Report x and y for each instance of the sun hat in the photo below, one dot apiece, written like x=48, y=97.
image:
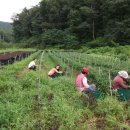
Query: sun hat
x=85, y=70
x=123, y=74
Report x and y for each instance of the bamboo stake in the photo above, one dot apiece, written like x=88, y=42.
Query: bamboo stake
x=110, y=85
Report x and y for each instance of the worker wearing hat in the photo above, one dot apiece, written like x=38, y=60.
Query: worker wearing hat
x=82, y=82
x=119, y=80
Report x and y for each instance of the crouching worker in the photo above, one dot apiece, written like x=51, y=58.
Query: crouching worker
x=120, y=80
x=32, y=65
x=120, y=85
x=82, y=82
x=55, y=72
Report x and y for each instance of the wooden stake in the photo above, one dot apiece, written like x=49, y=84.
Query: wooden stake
x=110, y=85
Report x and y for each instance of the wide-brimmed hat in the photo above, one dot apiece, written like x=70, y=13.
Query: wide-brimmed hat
x=123, y=74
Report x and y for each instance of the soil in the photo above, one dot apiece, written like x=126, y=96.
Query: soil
x=100, y=124
x=21, y=73
x=50, y=96
x=56, y=124
x=97, y=123
x=128, y=121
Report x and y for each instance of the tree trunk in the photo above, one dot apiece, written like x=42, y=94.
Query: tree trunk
x=93, y=30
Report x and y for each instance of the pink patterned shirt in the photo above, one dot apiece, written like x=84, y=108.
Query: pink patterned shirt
x=118, y=82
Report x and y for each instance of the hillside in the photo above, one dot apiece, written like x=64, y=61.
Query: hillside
x=5, y=26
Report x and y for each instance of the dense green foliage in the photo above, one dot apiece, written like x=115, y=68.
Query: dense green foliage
x=14, y=103
x=5, y=32
x=5, y=45
x=100, y=66
x=119, y=51
x=59, y=37
x=59, y=106
x=86, y=20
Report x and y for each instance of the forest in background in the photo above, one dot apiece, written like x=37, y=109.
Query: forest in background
x=5, y=32
x=70, y=23
x=6, y=26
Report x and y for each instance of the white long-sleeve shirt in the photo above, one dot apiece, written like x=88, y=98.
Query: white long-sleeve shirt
x=31, y=64
x=85, y=83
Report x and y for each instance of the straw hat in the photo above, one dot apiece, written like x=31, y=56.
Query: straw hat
x=123, y=74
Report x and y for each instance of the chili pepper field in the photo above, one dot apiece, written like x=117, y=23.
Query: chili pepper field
x=29, y=100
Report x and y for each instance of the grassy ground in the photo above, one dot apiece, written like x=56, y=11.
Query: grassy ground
x=15, y=49
x=65, y=108
x=34, y=102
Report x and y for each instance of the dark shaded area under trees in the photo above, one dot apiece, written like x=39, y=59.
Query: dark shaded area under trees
x=69, y=23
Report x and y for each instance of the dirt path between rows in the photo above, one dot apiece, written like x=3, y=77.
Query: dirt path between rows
x=21, y=73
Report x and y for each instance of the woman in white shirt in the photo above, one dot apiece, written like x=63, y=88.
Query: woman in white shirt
x=32, y=65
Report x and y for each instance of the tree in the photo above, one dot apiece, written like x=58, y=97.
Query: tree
x=87, y=20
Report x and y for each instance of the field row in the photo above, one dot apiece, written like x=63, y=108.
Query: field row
x=33, y=102
x=100, y=72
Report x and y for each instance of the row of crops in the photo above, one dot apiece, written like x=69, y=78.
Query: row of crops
x=30, y=101
x=84, y=113
x=102, y=68
x=17, y=94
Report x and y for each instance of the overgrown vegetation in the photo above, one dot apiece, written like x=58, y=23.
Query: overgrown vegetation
x=122, y=52
x=14, y=103
x=35, y=102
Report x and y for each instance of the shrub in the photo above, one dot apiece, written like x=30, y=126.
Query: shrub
x=110, y=106
x=29, y=80
x=59, y=37
x=70, y=41
x=4, y=45
x=101, y=42
x=33, y=41
x=52, y=37
x=123, y=57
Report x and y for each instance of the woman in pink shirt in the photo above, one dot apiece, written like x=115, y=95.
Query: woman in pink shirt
x=82, y=82
x=120, y=80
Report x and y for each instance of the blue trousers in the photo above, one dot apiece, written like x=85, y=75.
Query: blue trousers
x=55, y=75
